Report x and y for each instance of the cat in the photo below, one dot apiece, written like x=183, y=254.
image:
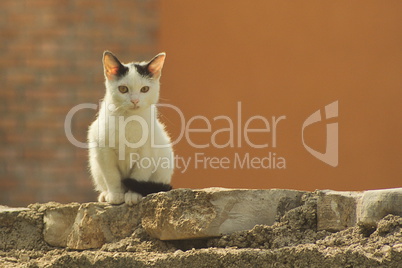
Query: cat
x=127, y=124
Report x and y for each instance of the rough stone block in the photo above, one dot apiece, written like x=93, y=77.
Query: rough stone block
x=59, y=221
x=376, y=204
x=89, y=225
x=189, y=214
x=20, y=228
x=336, y=210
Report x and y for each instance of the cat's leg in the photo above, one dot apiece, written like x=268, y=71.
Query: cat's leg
x=163, y=156
x=132, y=198
x=107, y=162
x=140, y=171
x=142, y=165
x=102, y=196
x=99, y=182
x=97, y=175
x=163, y=171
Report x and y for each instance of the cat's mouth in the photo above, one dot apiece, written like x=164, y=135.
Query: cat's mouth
x=136, y=107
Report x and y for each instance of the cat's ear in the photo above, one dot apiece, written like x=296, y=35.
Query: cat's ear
x=112, y=66
x=156, y=64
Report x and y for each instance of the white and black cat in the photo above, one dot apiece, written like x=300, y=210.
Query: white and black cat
x=127, y=132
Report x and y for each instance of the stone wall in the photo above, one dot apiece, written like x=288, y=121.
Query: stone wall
x=51, y=60
x=214, y=226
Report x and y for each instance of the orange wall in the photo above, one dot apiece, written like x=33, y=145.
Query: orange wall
x=287, y=58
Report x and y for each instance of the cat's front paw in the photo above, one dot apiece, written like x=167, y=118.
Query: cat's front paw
x=132, y=198
x=114, y=198
x=102, y=197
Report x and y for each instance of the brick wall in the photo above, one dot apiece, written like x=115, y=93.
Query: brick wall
x=50, y=59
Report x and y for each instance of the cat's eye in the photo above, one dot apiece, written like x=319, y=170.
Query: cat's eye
x=144, y=89
x=123, y=89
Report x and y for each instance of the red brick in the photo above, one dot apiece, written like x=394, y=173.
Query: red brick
x=8, y=94
x=8, y=123
x=39, y=154
x=84, y=182
x=50, y=5
x=71, y=79
x=25, y=18
x=88, y=4
x=16, y=138
x=9, y=154
x=20, y=78
x=43, y=63
x=54, y=109
x=44, y=124
x=23, y=199
x=52, y=61
x=11, y=6
x=9, y=184
x=18, y=107
x=47, y=93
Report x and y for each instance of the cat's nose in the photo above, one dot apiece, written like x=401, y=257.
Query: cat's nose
x=135, y=101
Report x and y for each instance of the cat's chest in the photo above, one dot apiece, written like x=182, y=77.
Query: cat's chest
x=133, y=132
x=120, y=131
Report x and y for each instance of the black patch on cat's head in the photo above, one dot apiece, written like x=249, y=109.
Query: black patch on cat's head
x=123, y=70
x=142, y=69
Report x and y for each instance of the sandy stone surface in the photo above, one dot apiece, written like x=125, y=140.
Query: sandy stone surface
x=291, y=241
x=191, y=214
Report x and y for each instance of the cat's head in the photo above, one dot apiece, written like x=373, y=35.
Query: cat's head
x=134, y=86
